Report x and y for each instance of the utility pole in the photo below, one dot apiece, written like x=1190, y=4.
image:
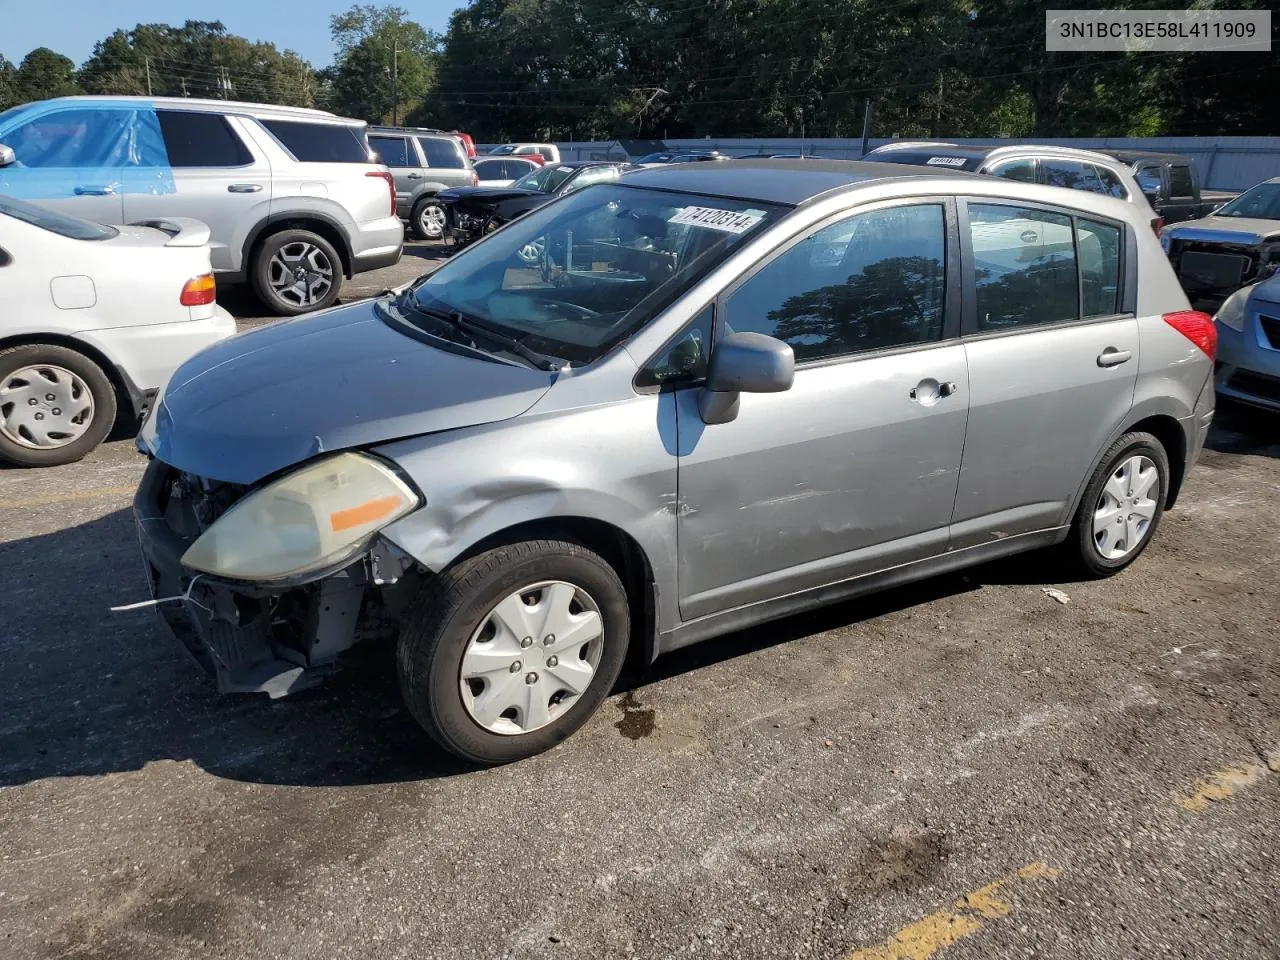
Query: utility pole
x=395, y=70
x=147, y=61
x=866, y=127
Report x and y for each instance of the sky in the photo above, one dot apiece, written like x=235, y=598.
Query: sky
x=72, y=27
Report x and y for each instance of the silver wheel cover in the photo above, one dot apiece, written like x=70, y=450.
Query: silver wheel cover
x=431, y=221
x=1125, y=508
x=533, y=655
x=43, y=407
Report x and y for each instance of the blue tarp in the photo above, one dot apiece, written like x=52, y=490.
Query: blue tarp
x=64, y=147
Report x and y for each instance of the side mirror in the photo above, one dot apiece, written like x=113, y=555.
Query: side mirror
x=7, y=155
x=744, y=363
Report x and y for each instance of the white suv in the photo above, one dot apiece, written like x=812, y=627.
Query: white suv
x=294, y=198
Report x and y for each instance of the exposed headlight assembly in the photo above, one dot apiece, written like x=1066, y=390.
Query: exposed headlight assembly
x=308, y=520
x=1232, y=313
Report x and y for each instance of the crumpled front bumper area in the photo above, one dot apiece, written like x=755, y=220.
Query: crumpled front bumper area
x=272, y=639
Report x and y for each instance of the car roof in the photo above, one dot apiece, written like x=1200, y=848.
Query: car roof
x=217, y=106
x=588, y=163
x=752, y=179
x=937, y=148
x=1132, y=156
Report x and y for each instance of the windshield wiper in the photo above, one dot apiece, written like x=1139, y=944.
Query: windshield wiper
x=464, y=324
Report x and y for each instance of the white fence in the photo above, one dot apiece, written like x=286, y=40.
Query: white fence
x=1225, y=163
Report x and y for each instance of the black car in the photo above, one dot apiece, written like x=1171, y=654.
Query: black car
x=475, y=211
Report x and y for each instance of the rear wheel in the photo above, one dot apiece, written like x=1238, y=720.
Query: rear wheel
x=297, y=271
x=511, y=651
x=56, y=405
x=428, y=219
x=1121, y=507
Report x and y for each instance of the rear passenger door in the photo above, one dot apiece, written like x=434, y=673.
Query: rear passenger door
x=1052, y=349
x=217, y=177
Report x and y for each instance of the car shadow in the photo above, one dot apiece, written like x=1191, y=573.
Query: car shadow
x=1242, y=429
x=90, y=692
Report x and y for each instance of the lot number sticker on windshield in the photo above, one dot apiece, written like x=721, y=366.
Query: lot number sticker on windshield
x=730, y=221
x=944, y=162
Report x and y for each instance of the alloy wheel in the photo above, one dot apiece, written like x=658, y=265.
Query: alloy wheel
x=300, y=274
x=431, y=221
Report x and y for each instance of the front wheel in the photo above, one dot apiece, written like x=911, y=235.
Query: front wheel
x=428, y=219
x=56, y=405
x=1122, y=506
x=513, y=650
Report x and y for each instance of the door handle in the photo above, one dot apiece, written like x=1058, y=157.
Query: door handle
x=413, y=176
x=95, y=190
x=1111, y=357
x=244, y=187
x=929, y=391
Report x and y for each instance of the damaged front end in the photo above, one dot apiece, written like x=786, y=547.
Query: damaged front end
x=274, y=637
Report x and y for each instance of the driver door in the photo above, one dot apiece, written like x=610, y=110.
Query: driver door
x=855, y=468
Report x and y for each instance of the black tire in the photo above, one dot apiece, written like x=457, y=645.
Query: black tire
x=1081, y=547
x=101, y=419
x=291, y=304
x=417, y=225
x=437, y=630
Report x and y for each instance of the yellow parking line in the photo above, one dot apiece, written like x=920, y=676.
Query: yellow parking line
x=922, y=939
x=1225, y=782
x=55, y=498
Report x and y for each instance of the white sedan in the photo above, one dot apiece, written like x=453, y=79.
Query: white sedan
x=501, y=171
x=93, y=320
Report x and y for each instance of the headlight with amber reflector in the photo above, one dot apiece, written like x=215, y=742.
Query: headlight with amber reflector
x=1232, y=313
x=308, y=520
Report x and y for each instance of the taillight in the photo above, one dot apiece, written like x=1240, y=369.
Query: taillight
x=1197, y=327
x=198, y=291
x=391, y=185
x=1157, y=225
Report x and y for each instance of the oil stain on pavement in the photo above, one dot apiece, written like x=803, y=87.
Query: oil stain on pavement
x=637, y=720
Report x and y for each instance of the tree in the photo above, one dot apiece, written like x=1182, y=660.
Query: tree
x=8, y=79
x=44, y=74
x=378, y=48
x=198, y=59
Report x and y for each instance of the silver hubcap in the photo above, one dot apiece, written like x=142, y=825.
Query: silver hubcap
x=300, y=273
x=44, y=407
x=1122, y=518
x=532, y=251
x=432, y=221
x=531, y=657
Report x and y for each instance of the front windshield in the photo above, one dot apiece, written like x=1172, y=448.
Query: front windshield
x=576, y=277
x=71, y=227
x=1261, y=203
x=544, y=179
x=654, y=158
x=505, y=148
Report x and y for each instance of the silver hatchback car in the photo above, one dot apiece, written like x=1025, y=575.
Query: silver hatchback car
x=723, y=394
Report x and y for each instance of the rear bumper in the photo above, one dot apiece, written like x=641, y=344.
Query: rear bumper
x=378, y=244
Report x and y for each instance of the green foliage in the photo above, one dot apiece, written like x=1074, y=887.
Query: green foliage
x=43, y=74
x=375, y=43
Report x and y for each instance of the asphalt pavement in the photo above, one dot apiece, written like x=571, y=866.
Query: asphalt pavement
x=965, y=768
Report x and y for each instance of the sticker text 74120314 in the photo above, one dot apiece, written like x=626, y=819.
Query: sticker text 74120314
x=713, y=218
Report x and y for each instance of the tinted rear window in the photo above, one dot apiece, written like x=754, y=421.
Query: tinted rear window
x=442, y=153
x=1180, y=184
x=393, y=151
x=201, y=140
x=71, y=227
x=320, y=142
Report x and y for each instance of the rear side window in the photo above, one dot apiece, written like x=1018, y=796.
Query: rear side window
x=201, y=140
x=1180, y=184
x=1063, y=173
x=442, y=153
x=1024, y=266
x=1033, y=267
x=1021, y=170
x=319, y=142
x=71, y=227
x=869, y=282
x=1112, y=185
x=491, y=170
x=393, y=151
x=546, y=153
x=1149, y=180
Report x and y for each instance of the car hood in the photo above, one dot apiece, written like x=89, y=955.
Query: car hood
x=1267, y=291
x=265, y=400
x=484, y=194
x=1225, y=230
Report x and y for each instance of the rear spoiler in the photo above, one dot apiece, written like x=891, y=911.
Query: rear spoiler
x=182, y=231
